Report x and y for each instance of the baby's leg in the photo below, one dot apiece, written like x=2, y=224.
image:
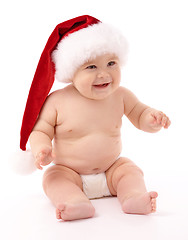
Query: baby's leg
x=126, y=181
x=63, y=186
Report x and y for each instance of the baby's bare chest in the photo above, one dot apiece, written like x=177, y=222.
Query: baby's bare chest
x=80, y=118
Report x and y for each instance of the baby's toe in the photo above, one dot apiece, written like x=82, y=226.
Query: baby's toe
x=153, y=195
x=58, y=214
x=153, y=205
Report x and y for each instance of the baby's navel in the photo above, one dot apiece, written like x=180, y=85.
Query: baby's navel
x=96, y=169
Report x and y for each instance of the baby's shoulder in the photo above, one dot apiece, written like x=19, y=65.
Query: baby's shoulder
x=59, y=97
x=123, y=92
x=127, y=96
x=60, y=93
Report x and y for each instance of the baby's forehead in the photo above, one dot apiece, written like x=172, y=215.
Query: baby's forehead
x=103, y=57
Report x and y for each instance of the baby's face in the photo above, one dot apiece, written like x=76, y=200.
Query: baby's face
x=98, y=78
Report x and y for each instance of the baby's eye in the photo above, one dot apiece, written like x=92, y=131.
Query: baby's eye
x=91, y=67
x=111, y=63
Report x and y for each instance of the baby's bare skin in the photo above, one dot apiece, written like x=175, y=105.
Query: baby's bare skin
x=85, y=127
x=84, y=119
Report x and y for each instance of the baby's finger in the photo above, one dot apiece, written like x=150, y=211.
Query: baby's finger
x=167, y=123
x=37, y=164
x=160, y=118
x=164, y=121
x=39, y=160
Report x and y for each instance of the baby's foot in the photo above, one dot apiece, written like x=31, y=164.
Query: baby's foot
x=141, y=203
x=75, y=211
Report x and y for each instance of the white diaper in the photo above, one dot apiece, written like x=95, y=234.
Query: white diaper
x=95, y=185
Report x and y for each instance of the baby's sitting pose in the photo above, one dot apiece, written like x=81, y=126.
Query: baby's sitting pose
x=84, y=121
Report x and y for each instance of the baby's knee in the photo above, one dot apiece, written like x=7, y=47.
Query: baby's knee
x=49, y=176
x=51, y=173
x=123, y=167
x=129, y=167
x=126, y=166
x=57, y=173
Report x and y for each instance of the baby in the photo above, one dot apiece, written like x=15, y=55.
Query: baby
x=84, y=121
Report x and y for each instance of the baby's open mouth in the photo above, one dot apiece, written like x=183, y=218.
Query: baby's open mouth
x=101, y=85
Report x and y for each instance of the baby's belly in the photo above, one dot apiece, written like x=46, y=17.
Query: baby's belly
x=90, y=154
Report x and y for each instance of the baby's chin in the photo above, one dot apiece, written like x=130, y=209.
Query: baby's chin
x=96, y=96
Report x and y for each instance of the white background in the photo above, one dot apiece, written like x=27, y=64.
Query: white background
x=157, y=72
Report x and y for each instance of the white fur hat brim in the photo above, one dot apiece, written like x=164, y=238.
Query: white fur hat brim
x=86, y=44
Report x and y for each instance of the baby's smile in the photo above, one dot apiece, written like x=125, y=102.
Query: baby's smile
x=102, y=85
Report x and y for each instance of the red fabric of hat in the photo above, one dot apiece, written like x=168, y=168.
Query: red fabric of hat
x=44, y=75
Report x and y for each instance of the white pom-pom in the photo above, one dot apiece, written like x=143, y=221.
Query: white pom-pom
x=23, y=162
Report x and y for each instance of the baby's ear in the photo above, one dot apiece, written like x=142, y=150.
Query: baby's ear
x=22, y=162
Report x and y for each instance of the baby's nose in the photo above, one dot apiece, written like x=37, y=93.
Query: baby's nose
x=103, y=74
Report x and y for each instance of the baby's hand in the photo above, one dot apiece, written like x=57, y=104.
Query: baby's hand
x=44, y=157
x=158, y=120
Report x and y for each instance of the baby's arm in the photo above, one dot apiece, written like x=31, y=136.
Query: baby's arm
x=43, y=133
x=142, y=116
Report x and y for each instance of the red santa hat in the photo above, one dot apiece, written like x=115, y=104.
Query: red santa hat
x=70, y=45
